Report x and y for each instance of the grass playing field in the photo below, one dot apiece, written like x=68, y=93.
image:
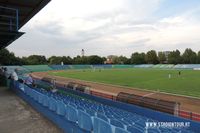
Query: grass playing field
x=188, y=83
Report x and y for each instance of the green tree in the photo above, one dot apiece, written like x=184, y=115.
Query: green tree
x=5, y=57
x=120, y=60
x=161, y=57
x=174, y=57
x=94, y=59
x=8, y=58
x=189, y=56
x=80, y=60
x=123, y=59
x=104, y=59
x=67, y=60
x=36, y=60
x=24, y=60
x=56, y=60
x=138, y=58
x=198, y=57
x=151, y=57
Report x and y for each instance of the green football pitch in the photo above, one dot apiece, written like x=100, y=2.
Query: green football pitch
x=188, y=83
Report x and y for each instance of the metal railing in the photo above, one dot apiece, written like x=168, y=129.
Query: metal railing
x=9, y=17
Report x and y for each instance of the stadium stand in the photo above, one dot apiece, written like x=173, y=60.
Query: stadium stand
x=187, y=66
x=21, y=70
x=164, y=66
x=144, y=66
x=122, y=66
x=59, y=67
x=105, y=118
x=157, y=66
x=37, y=68
x=116, y=120
x=170, y=66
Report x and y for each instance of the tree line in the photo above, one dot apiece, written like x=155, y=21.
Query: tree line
x=150, y=57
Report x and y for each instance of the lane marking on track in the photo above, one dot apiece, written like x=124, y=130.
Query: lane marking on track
x=149, y=94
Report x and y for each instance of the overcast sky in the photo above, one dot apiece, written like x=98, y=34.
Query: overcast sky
x=105, y=27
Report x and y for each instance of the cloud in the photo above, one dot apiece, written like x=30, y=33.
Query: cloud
x=106, y=27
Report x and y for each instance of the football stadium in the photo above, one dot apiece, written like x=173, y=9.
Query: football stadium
x=96, y=98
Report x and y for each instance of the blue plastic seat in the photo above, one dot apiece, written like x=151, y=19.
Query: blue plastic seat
x=28, y=90
x=35, y=95
x=133, y=129
x=45, y=101
x=85, y=121
x=52, y=104
x=116, y=123
x=91, y=112
x=80, y=108
x=120, y=130
x=101, y=126
x=72, y=104
x=72, y=114
x=153, y=131
x=60, y=108
x=110, y=116
x=40, y=99
x=21, y=87
x=31, y=93
x=103, y=117
x=141, y=123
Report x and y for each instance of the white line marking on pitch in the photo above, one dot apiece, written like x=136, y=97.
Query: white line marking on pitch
x=149, y=94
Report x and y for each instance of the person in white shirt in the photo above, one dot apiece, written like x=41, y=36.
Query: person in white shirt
x=14, y=75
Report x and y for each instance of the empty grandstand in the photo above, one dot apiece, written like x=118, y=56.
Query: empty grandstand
x=100, y=116
x=37, y=68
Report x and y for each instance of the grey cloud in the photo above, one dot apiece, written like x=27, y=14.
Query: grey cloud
x=51, y=29
x=139, y=43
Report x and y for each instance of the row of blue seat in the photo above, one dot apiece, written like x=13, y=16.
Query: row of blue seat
x=80, y=110
x=72, y=114
x=187, y=66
